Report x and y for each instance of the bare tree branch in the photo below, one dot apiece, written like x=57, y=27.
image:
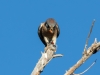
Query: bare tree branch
x=86, y=54
x=86, y=69
x=90, y=50
x=57, y=55
x=48, y=54
x=86, y=44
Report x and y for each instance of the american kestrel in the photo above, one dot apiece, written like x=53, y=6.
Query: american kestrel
x=48, y=32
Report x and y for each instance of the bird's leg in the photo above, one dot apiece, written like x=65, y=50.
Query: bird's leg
x=54, y=41
x=46, y=40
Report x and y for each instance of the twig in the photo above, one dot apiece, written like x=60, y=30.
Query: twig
x=88, y=37
x=57, y=55
x=86, y=69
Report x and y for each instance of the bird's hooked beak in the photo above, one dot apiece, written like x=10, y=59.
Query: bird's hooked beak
x=51, y=30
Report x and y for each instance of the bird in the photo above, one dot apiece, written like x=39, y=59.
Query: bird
x=48, y=32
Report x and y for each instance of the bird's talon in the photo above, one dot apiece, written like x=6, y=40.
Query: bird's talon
x=54, y=45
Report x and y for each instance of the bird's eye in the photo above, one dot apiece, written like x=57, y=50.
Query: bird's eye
x=54, y=26
x=47, y=26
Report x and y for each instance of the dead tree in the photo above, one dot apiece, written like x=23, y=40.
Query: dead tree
x=49, y=53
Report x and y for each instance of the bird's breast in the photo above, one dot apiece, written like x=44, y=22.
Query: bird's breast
x=47, y=33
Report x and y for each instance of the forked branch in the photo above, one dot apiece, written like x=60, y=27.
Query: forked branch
x=90, y=50
x=95, y=47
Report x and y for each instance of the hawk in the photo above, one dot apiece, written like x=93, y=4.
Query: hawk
x=48, y=32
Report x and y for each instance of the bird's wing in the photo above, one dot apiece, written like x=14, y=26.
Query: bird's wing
x=58, y=30
x=40, y=34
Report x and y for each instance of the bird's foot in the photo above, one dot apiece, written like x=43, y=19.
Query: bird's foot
x=48, y=44
x=52, y=42
x=54, y=46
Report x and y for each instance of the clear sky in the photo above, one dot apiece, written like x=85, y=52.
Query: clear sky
x=20, y=46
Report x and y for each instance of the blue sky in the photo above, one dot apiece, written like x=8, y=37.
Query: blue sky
x=20, y=46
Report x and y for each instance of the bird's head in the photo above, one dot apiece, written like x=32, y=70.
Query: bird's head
x=50, y=25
